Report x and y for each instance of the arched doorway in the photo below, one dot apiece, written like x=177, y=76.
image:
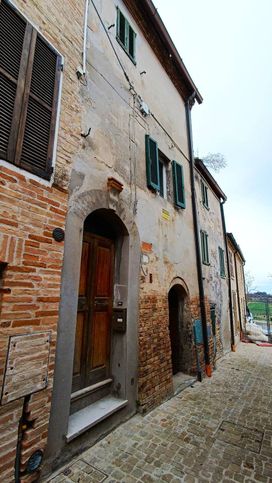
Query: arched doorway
x=180, y=331
x=104, y=263
x=176, y=300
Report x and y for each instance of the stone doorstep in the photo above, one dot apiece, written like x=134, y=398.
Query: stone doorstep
x=88, y=417
x=181, y=381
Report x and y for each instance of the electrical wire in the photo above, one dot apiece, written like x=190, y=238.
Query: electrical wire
x=131, y=87
x=113, y=48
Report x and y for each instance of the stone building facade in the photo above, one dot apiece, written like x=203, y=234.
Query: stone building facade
x=40, y=50
x=237, y=279
x=210, y=200
x=124, y=335
x=97, y=144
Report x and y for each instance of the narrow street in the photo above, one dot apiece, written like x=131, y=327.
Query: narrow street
x=219, y=430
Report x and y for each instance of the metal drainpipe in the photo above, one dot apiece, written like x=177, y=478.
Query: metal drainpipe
x=208, y=366
x=238, y=292
x=229, y=279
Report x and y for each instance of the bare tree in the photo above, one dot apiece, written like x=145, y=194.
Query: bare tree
x=249, y=282
x=215, y=161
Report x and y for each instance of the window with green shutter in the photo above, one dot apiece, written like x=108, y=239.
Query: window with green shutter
x=178, y=185
x=204, y=193
x=29, y=87
x=204, y=247
x=152, y=163
x=222, y=262
x=126, y=35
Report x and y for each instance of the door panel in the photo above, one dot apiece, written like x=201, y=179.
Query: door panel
x=84, y=269
x=78, y=344
x=103, y=274
x=101, y=336
x=93, y=331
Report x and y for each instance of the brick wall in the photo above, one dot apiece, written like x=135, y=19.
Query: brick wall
x=28, y=214
x=155, y=381
x=29, y=211
x=155, y=367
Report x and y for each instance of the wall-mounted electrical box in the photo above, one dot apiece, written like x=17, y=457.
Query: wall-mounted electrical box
x=119, y=320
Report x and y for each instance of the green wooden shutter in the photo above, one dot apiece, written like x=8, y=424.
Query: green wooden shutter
x=152, y=163
x=178, y=181
x=222, y=262
x=205, y=247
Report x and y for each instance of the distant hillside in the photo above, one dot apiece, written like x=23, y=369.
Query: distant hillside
x=259, y=297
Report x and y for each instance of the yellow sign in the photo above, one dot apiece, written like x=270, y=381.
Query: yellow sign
x=165, y=214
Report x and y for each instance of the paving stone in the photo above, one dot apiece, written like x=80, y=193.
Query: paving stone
x=218, y=431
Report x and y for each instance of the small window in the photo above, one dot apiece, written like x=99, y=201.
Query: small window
x=204, y=247
x=29, y=86
x=222, y=262
x=126, y=35
x=204, y=193
x=178, y=181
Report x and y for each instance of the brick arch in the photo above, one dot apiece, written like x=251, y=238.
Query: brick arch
x=181, y=329
x=179, y=281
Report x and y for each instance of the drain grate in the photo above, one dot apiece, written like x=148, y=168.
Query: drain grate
x=241, y=436
x=80, y=472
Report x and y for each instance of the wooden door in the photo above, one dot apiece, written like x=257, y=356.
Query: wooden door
x=174, y=323
x=93, y=331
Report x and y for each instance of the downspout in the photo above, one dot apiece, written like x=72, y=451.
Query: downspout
x=238, y=292
x=208, y=366
x=229, y=279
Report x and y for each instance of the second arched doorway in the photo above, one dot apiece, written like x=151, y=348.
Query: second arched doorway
x=180, y=332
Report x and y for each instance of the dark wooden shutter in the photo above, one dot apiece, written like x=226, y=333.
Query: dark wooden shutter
x=29, y=85
x=13, y=57
x=36, y=142
x=178, y=181
x=152, y=163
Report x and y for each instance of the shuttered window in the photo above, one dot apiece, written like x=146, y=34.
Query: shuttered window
x=152, y=163
x=126, y=35
x=178, y=182
x=29, y=87
x=204, y=193
x=204, y=247
x=222, y=262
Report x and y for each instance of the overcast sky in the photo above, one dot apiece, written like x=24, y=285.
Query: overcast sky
x=226, y=46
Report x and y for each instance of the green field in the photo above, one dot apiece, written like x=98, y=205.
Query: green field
x=258, y=310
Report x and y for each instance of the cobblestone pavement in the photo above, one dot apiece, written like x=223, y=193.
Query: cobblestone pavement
x=219, y=430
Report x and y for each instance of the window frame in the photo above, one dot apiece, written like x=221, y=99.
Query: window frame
x=204, y=193
x=222, y=266
x=22, y=100
x=163, y=169
x=126, y=45
x=204, y=237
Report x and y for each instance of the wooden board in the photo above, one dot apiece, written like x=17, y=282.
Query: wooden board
x=27, y=365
